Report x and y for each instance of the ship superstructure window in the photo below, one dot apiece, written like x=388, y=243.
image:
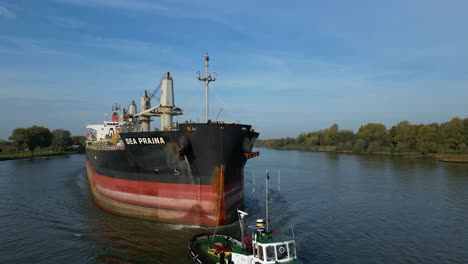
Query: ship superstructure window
x=281, y=251
x=270, y=253
x=292, y=250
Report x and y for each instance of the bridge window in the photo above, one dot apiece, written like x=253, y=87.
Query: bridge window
x=260, y=252
x=270, y=253
x=281, y=251
x=292, y=250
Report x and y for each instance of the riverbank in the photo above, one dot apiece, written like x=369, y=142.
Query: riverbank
x=27, y=155
x=460, y=158
x=463, y=158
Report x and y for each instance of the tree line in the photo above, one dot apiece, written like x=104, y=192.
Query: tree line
x=450, y=137
x=38, y=137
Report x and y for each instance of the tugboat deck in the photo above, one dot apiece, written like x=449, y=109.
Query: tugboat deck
x=263, y=247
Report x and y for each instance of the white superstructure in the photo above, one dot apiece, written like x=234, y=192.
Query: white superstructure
x=132, y=121
x=105, y=131
x=165, y=109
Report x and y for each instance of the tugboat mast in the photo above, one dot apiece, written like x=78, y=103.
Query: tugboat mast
x=267, y=198
x=207, y=79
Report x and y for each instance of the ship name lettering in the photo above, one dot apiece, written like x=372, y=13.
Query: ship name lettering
x=131, y=141
x=145, y=141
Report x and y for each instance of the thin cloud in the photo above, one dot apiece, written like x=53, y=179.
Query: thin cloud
x=19, y=41
x=124, y=45
x=23, y=46
x=120, y=4
x=273, y=61
x=7, y=13
x=68, y=22
x=220, y=13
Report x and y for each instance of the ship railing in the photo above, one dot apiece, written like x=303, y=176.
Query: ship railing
x=255, y=130
x=175, y=126
x=98, y=146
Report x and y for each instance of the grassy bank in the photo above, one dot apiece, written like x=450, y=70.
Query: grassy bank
x=463, y=158
x=451, y=157
x=27, y=155
x=383, y=151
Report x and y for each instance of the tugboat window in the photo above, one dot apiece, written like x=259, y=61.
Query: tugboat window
x=292, y=250
x=281, y=251
x=270, y=252
x=260, y=253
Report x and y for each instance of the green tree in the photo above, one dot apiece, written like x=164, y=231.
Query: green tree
x=79, y=140
x=346, y=136
x=4, y=143
x=427, y=147
x=301, y=138
x=60, y=139
x=38, y=137
x=463, y=148
x=19, y=136
x=465, y=130
x=374, y=146
x=289, y=141
x=373, y=133
x=451, y=135
x=313, y=139
x=427, y=133
x=427, y=139
x=401, y=147
x=360, y=145
x=404, y=132
x=330, y=136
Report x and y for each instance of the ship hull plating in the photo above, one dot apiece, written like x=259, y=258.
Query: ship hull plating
x=194, y=175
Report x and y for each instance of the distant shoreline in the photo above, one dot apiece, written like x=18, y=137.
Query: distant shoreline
x=27, y=155
x=455, y=158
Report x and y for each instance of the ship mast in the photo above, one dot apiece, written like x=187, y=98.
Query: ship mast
x=207, y=79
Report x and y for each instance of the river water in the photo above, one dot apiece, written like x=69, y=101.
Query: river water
x=343, y=209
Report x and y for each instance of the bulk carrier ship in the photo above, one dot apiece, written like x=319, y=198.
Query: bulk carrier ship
x=188, y=173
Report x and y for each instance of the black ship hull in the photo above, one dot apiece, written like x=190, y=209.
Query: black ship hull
x=194, y=175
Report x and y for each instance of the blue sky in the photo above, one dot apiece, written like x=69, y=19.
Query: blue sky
x=284, y=66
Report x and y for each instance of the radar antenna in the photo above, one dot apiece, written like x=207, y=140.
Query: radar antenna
x=116, y=107
x=207, y=79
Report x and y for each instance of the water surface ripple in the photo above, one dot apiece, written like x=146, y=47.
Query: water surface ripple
x=343, y=209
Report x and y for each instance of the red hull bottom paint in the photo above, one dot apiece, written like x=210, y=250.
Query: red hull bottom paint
x=167, y=202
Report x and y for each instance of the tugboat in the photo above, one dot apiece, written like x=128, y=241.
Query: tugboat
x=264, y=247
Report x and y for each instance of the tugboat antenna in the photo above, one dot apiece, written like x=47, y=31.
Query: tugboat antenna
x=266, y=199
x=207, y=79
x=279, y=179
x=242, y=214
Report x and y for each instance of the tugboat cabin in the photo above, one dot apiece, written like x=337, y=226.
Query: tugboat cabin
x=266, y=248
x=278, y=252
